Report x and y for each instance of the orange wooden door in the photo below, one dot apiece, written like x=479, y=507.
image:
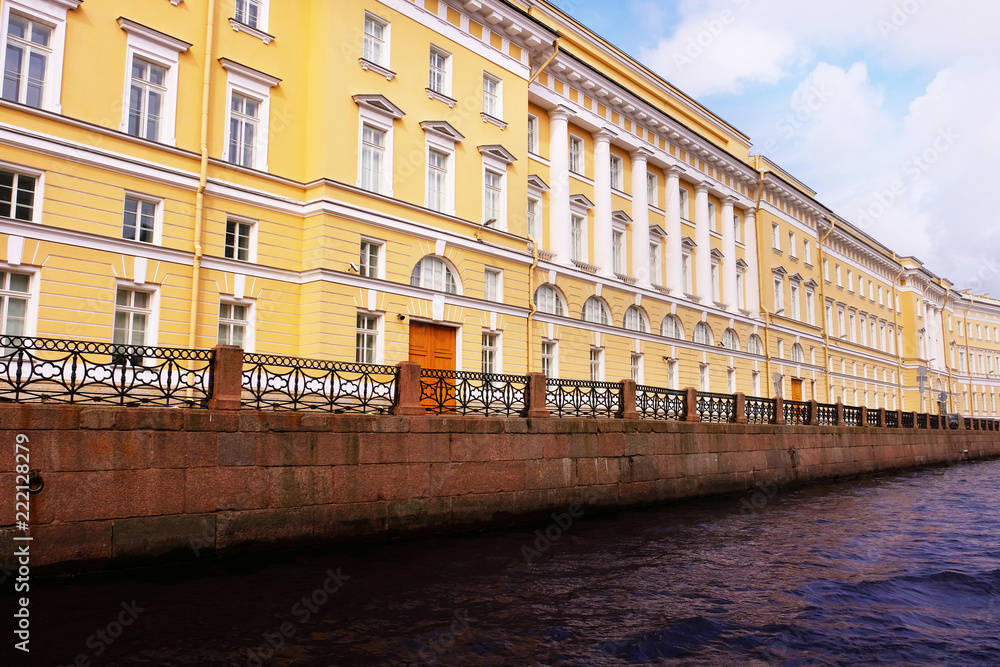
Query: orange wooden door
x=433, y=346
x=796, y=390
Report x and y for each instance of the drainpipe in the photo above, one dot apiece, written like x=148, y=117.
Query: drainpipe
x=531, y=300
x=965, y=317
x=822, y=295
x=199, y=210
x=898, y=341
x=947, y=298
x=923, y=298
x=760, y=283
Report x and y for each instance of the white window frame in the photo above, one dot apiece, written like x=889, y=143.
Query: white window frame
x=704, y=377
x=162, y=50
x=51, y=13
x=619, y=258
x=384, y=123
x=601, y=311
x=445, y=71
x=597, y=364
x=655, y=262
x=741, y=298
x=37, y=200
x=579, y=251
x=731, y=380
x=249, y=334
x=779, y=294
x=383, y=61
x=31, y=296
x=737, y=227
x=810, y=307
x=807, y=251
x=652, y=189
x=775, y=236
x=496, y=348
x=577, y=158
x=252, y=241
x=379, y=333
x=447, y=196
x=684, y=204
x=363, y=269
x=497, y=274
x=157, y=217
x=257, y=86
x=559, y=306
x=840, y=281
x=550, y=354
x=673, y=377
x=534, y=217
x=153, y=322
x=713, y=219
x=497, y=96
x=791, y=244
x=687, y=282
x=262, y=15
x=716, y=277
x=636, y=367
x=533, y=127
x=501, y=215
x=617, y=165
x=850, y=281
x=796, y=309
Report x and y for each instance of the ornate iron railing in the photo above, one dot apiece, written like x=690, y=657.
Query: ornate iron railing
x=934, y=422
x=891, y=419
x=796, y=412
x=761, y=410
x=975, y=424
x=852, y=415
x=465, y=393
x=826, y=414
x=906, y=420
x=923, y=421
x=657, y=403
x=716, y=407
x=290, y=383
x=583, y=398
x=51, y=370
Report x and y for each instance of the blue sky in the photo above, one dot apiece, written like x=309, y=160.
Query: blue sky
x=887, y=108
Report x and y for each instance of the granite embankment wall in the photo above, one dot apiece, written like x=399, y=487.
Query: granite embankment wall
x=124, y=485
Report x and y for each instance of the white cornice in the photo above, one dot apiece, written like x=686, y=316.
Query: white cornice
x=155, y=36
x=254, y=75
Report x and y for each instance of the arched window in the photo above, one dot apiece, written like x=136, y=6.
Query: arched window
x=595, y=311
x=635, y=320
x=798, y=356
x=432, y=273
x=703, y=334
x=548, y=300
x=731, y=340
x=672, y=327
x=754, y=346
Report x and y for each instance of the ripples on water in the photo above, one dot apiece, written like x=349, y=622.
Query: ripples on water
x=901, y=570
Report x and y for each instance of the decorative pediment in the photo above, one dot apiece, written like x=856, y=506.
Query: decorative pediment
x=740, y=264
x=621, y=217
x=442, y=128
x=795, y=278
x=380, y=104
x=535, y=181
x=154, y=36
x=655, y=231
x=779, y=271
x=688, y=242
x=498, y=152
x=812, y=284
x=581, y=201
x=254, y=75
x=717, y=254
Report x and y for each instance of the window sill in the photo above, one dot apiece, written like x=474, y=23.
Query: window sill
x=378, y=69
x=440, y=97
x=496, y=121
x=776, y=251
x=628, y=280
x=239, y=26
x=583, y=266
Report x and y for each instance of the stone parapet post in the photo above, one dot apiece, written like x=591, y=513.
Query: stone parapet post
x=227, y=378
x=839, y=419
x=879, y=417
x=691, y=405
x=864, y=416
x=741, y=407
x=813, y=413
x=408, y=388
x=627, y=410
x=534, y=402
x=779, y=411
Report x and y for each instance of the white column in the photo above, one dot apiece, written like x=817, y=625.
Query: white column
x=729, y=259
x=751, y=280
x=640, y=218
x=603, y=242
x=559, y=227
x=703, y=238
x=672, y=205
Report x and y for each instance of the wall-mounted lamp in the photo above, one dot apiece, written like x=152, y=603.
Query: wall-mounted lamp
x=479, y=232
x=401, y=317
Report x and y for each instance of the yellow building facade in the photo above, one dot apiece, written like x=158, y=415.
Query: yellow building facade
x=478, y=185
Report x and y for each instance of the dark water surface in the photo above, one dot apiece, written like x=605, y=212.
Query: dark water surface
x=898, y=570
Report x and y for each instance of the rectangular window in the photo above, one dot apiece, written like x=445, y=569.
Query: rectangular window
x=840, y=282
x=636, y=368
x=437, y=180
x=652, y=189
x=14, y=296
x=850, y=280
x=17, y=196
x=616, y=172
x=492, y=100
x=372, y=158
x=549, y=359
x=655, y=271
x=791, y=244
x=796, y=312
x=532, y=134
x=133, y=312
x=686, y=272
x=147, y=94
x=371, y=259
x=741, y=299
x=854, y=327
x=248, y=12
x=755, y=383
x=713, y=223
x=738, y=227
x=238, y=240
x=233, y=324
x=775, y=238
x=376, y=35
x=779, y=295
x=576, y=238
x=139, y=221
x=829, y=318
x=533, y=220
x=871, y=291
x=440, y=81
x=810, y=308
x=683, y=204
x=492, y=190
x=704, y=378
x=596, y=365
x=243, y=126
x=493, y=284
x=366, y=340
x=673, y=379
x=490, y=353
x=617, y=242
x=576, y=155
x=841, y=325
x=26, y=62
x=731, y=380
x=807, y=251
x=826, y=269
x=716, y=283
x=880, y=302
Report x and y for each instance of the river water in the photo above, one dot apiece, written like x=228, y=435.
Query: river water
x=894, y=570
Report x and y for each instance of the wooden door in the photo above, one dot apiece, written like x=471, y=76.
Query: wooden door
x=432, y=346
x=796, y=389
